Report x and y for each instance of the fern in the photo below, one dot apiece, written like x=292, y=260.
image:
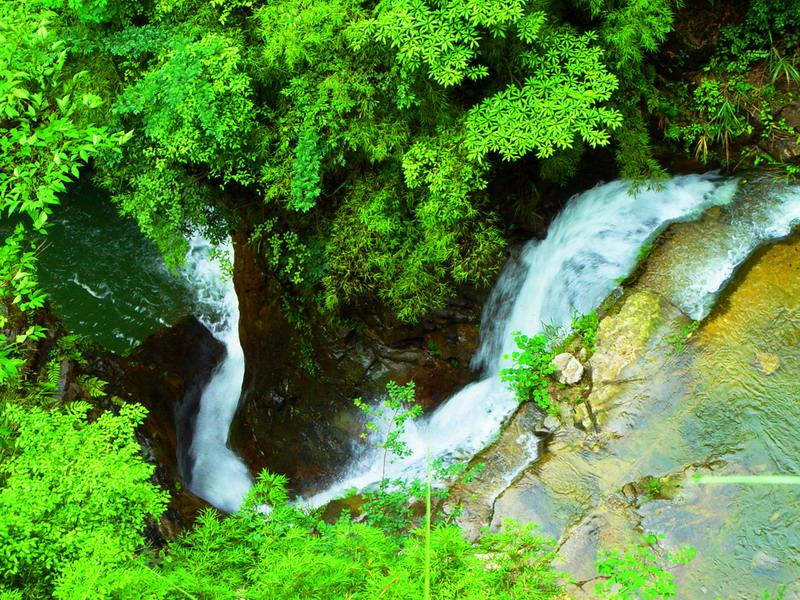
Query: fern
x=92, y=386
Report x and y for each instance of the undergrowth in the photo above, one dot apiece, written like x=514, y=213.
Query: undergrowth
x=530, y=376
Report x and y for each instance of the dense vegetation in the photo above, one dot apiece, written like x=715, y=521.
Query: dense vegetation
x=76, y=497
x=357, y=141
x=364, y=148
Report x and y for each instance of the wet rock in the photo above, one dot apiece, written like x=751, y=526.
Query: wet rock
x=611, y=528
x=515, y=449
x=583, y=590
x=630, y=493
x=297, y=415
x=622, y=337
x=582, y=416
x=667, y=416
x=791, y=114
x=767, y=363
x=551, y=423
x=569, y=369
x=167, y=374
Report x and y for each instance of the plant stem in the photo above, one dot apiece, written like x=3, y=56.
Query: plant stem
x=428, y=525
x=749, y=479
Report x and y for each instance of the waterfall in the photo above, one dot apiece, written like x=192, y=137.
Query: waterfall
x=218, y=474
x=592, y=243
x=760, y=211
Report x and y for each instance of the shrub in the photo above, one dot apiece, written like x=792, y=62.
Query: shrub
x=73, y=489
x=529, y=377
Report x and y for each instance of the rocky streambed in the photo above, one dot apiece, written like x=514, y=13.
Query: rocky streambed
x=660, y=399
x=668, y=398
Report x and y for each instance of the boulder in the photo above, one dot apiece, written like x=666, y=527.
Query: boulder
x=167, y=374
x=765, y=562
x=569, y=369
x=767, y=362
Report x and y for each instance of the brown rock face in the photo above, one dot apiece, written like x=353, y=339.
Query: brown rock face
x=167, y=375
x=296, y=415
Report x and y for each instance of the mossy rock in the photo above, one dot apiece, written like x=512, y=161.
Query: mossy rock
x=622, y=337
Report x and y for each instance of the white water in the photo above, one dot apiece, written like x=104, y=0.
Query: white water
x=593, y=242
x=218, y=474
x=762, y=211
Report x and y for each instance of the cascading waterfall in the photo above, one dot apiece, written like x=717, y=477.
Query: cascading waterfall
x=218, y=474
x=591, y=244
x=761, y=211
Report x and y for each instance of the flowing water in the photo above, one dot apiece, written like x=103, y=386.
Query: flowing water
x=726, y=404
x=218, y=474
x=712, y=402
x=740, y=404
x=691, y=274
x=590, y=245
x=108, y=282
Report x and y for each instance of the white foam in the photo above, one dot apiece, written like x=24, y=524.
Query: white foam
x=218, y=474
x=593, y=242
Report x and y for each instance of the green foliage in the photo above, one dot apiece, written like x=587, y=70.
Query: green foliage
x=637, y=574
x=529, y=378
x=18, y=271
x=653, y=487
x=45, y=137
x=411, y=262
x=563, y=92
x=43, y=143
x=444, y=38
x=679, y=339
x=633, y=28
x=720, y=120
x=782, y=67
x=74, y=491
x=390, y=504
x=194, y=112
x=388, y=419
x=196, y=105
x=93, y=11
x=585, y=327
x=367, y=131
x=530, y=375
x=286, y=255
x=731, y=112
x=287, y=553
x=768, y=19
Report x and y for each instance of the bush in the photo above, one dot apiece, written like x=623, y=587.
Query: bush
x=73, y=490
x=529, y=378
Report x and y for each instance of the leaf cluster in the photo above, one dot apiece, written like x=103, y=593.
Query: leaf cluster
x=73, y=491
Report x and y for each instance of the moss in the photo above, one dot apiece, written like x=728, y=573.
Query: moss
x=638, y=316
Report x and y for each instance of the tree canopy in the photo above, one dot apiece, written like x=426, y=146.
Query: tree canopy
x=356, y=140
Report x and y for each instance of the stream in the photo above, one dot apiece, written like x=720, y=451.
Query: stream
x=701, y=406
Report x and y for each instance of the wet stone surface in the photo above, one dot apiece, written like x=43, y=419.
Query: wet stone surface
x=670, y=404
